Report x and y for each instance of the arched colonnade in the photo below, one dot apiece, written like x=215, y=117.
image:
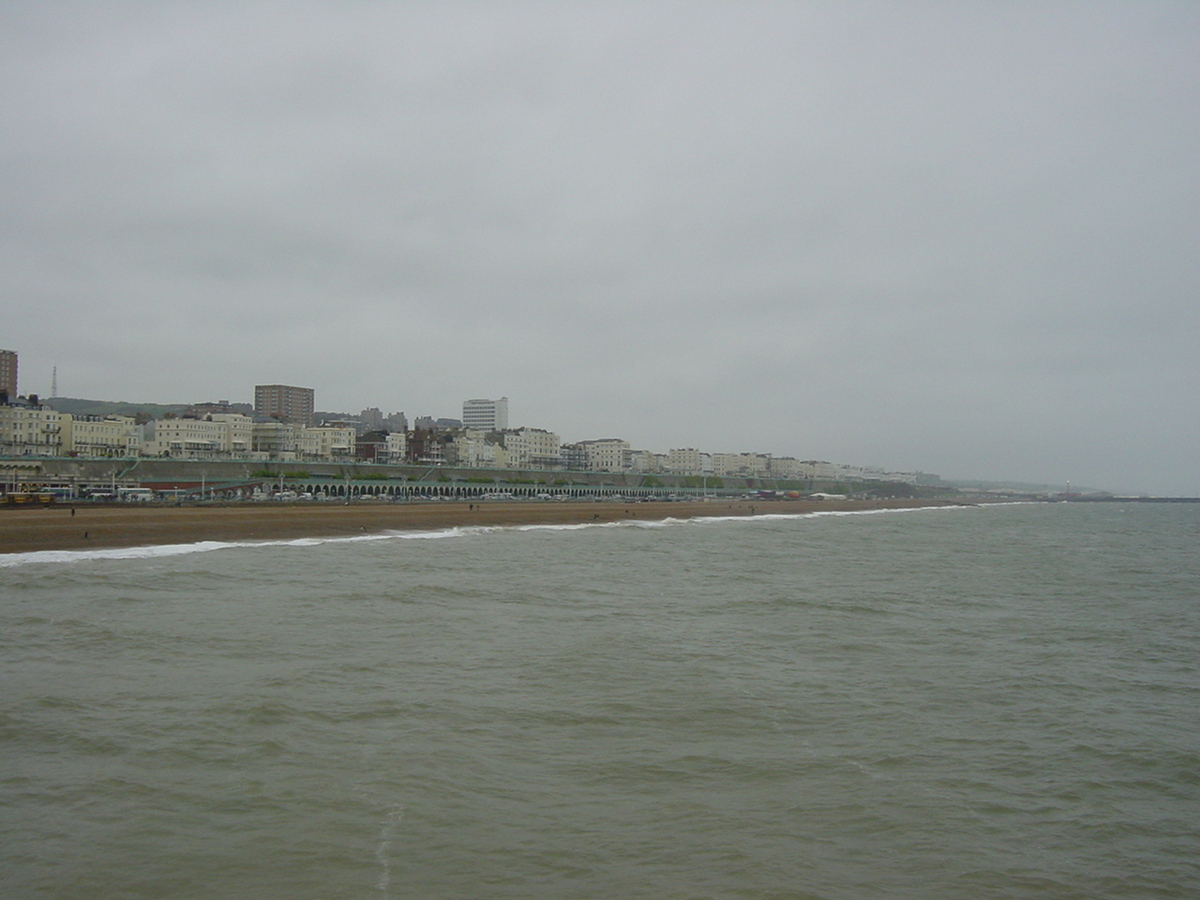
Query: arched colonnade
x=458, y=491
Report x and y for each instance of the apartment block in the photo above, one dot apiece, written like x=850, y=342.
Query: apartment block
x=8, y=372
x=487, y=415
x=285, y=402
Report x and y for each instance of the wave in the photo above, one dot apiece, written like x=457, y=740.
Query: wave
x=13, y=560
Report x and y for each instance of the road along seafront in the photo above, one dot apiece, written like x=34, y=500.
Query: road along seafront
x=84, y=526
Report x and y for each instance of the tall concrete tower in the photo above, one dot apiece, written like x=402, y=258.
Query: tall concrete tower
x=284, y=402
x=8, y=372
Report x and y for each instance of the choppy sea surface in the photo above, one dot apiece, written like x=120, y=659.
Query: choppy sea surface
x=995, y=702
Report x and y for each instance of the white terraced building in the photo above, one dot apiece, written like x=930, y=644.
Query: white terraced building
x=225, y=435
x=646, y=461
x=685, y=461
x=785, y=467
x=533, y=448
x=101, y=436
x=476, y=451
x=28, y=428
x=606, y=455
x=326, y=442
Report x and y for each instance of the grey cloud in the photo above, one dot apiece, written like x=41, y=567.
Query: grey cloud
x=955, y=237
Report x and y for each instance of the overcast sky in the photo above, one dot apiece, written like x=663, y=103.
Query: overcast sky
x=954, y=237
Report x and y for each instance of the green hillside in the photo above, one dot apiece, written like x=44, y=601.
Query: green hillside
x=80, y=407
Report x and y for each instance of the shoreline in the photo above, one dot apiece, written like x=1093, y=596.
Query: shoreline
x=125, y=526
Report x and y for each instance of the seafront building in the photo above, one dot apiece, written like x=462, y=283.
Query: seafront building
x=101, y=436
x=274, y=440
x=647, y=461
x=396, y=447
x=786, y=467
x=30, y=428
x=228, y=435
x=532, y=448
x=285, y=402
x=8, y=372
x=606, y=455
x=474, y=448
x=684, y=461
x=234, y=436
x=485, y=415
x=326, y=442
x=285, y=442
x=281, y=427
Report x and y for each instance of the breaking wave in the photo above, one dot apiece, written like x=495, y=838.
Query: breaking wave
x=12, y=560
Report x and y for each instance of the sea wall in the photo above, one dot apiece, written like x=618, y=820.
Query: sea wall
x=355, y=478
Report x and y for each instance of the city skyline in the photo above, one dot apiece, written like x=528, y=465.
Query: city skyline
x=948, y=237
x=281, y=425
x=308, y=404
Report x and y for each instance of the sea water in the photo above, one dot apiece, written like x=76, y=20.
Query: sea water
x=993, y=702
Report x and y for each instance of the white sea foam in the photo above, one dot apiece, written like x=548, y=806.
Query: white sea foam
x=12, y=560
x=383, y=851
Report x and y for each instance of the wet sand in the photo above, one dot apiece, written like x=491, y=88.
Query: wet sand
x=93, y=527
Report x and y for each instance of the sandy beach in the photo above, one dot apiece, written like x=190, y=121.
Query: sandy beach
x=91, y=527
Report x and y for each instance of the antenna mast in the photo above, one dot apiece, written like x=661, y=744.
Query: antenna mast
x=54, y=383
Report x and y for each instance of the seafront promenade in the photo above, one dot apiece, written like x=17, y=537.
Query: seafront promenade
x=95, y=526
x=226, y=479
